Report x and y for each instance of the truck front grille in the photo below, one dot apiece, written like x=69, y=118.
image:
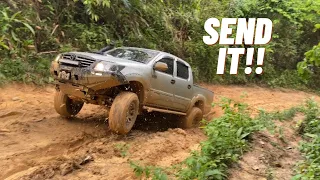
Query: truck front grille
x=83, y=60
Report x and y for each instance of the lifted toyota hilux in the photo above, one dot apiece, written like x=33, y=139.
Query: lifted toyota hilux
x=129, y=81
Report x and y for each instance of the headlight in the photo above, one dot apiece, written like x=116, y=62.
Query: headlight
x=100, y=67
x=106, y=66
x=57, y=58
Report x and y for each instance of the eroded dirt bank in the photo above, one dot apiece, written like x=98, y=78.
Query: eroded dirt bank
x=35, y=143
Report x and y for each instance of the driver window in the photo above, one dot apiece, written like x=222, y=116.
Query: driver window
x=169, y=63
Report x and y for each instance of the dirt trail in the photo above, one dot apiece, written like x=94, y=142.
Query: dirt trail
x=35, y=143
x=272, y=156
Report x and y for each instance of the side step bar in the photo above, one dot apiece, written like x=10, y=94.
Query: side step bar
x=150, y=109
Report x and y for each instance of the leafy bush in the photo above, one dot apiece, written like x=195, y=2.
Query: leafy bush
x=289, y=79
x=309, y=168
x=309, y=68
x=34, y=70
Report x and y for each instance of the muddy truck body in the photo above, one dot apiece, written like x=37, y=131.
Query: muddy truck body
x=129, y=81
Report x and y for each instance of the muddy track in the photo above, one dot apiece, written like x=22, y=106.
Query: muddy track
x=36, y=143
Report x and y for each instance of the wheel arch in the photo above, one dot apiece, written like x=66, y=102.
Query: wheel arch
x=138, y=85
x=198, y=101
x=137, y=88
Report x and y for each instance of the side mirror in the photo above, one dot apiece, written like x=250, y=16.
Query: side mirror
x=160, y=66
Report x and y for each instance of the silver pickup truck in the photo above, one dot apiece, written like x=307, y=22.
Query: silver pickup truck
x=129, y=81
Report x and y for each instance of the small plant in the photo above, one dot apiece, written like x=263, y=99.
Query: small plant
x=281, y=135
x=288, y=113
x=269, y=173
x=153, y=172
x=309, y=168
x=122, y=148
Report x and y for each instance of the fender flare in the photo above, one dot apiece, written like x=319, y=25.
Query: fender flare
x=135, y=77
x=198, y=98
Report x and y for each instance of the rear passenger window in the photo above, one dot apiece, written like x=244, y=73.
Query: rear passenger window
x=182, y=70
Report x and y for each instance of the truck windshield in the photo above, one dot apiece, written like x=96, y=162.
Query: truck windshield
x=139, y=55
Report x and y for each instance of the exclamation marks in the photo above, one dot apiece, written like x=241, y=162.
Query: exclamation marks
x=250, y=52
x=260, y=57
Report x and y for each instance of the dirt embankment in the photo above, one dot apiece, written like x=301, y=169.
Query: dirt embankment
x=35, y=143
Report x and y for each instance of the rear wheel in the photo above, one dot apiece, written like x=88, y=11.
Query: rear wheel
x=65, y=106
x=192, y=119
x=123, y=112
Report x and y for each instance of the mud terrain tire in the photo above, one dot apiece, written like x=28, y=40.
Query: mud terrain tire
x=123, y=112
x=192, y=119
x=65, y=106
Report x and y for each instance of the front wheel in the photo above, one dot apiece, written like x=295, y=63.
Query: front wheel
x=192, y=119
x=123, y=112
x=65, y=106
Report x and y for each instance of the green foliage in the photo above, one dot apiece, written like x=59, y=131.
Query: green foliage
x=289, y=79
x=286, y=114
x=227, y=141
x=122, y=148
x=155, y=173
x=13, y=29
x=33, y=70
x=309, y=169
x=309, y=67
x=92, y=4
x=312, y=112
x=293, y=35
x=33, y=27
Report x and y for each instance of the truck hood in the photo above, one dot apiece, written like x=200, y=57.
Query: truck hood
x=130, y=67
x=99, y=57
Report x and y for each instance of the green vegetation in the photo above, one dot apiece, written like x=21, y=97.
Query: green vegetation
x=227, y=140
x=309, y=67
x=155, y=173
x=31, y=70
x=122, y=148
x=33, y=32
x=309, y=169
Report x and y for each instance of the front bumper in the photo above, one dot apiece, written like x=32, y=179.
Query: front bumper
x=86, y=78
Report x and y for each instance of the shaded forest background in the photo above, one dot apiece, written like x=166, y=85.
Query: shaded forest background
x=32, y=32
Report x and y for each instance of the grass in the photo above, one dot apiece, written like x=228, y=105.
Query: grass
x=122, y=148
x=153, y=172
x=309, y=168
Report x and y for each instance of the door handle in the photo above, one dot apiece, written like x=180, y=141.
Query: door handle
x=189, y=86
x=173, y=81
